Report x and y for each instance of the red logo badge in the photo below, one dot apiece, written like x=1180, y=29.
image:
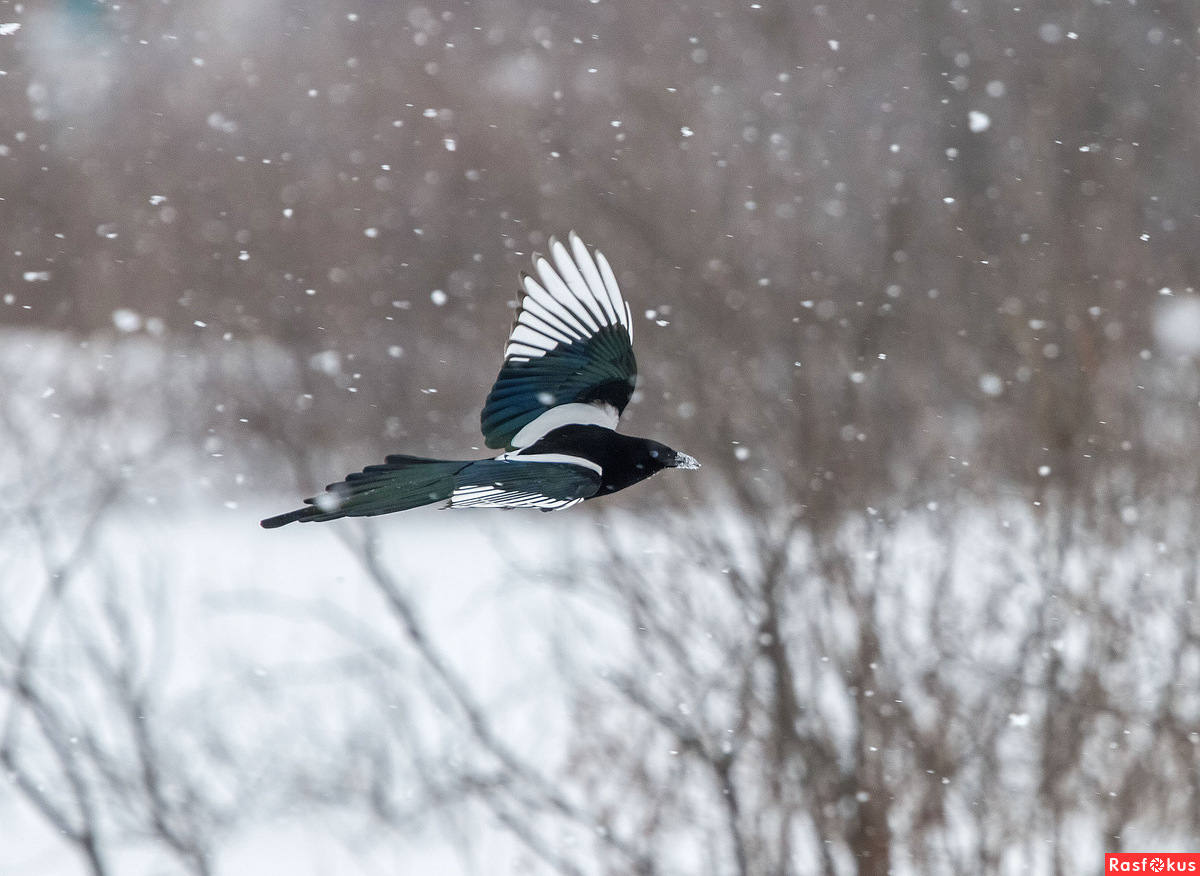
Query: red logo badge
x=1152, y=862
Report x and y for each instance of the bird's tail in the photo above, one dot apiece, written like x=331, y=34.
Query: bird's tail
x=401, y=483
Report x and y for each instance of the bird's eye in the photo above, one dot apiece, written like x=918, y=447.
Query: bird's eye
x=654, y=454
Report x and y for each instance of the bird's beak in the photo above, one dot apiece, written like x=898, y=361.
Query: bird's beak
x=682, y=460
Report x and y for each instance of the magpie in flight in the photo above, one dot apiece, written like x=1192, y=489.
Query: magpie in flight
x=568, y=373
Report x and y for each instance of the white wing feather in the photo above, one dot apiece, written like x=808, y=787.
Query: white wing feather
x=493, y=497
x=574, y=295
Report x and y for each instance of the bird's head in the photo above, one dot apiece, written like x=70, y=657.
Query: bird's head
x=663, y=456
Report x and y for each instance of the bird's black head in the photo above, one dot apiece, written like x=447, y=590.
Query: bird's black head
x=662, y=456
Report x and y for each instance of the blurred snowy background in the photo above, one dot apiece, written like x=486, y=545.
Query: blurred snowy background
x=917, y=285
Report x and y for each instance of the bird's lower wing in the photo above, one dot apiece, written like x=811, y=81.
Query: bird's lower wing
x=516, y=483
x=404, y=482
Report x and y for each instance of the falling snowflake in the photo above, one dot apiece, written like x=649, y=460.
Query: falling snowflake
x=978, y=122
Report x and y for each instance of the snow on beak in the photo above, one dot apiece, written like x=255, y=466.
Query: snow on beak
x=682, y=460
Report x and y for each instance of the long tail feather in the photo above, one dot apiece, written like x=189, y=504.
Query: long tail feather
x=290, y=517
x=401, y=483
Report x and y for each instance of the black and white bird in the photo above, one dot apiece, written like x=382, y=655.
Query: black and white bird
x=567, y=375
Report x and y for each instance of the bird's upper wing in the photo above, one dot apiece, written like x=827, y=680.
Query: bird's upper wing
x=546, y=481
x=569, y=357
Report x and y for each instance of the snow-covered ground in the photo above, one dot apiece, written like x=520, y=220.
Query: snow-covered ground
x=243, y=611
x=519, y=692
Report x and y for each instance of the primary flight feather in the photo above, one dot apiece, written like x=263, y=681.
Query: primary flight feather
x=568, y=373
